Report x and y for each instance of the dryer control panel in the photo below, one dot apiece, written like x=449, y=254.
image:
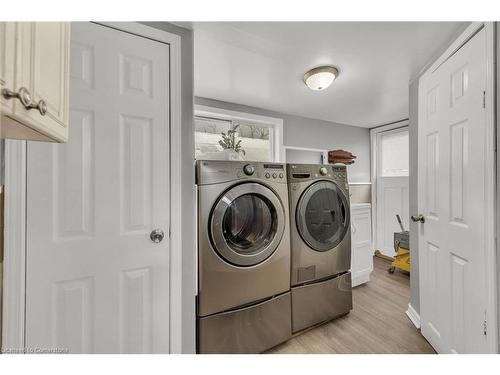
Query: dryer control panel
x=307, y=172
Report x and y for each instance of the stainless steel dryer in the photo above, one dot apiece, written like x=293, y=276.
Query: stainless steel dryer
x=244, y=303
x=320, y=242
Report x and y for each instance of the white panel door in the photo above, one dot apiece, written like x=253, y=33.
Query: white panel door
x=392, y=187
x=96, y=283
x=451, y=176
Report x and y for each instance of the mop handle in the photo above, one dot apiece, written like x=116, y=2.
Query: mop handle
x=400, y=222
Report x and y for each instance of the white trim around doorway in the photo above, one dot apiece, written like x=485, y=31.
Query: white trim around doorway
x=13, y=316
x=490, y=193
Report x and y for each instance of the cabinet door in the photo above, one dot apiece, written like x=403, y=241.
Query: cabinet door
x=362, y=252
x=7, y=62
x=43, y=62
x=361, y=222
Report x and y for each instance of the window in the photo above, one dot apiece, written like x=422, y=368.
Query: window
x=394, y=155
x=256, y=138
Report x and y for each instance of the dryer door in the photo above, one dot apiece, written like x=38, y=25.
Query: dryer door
x=322, y=215
x=247, y=224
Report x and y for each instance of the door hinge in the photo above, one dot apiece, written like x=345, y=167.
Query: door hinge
x=485, y=325
x=484, y=99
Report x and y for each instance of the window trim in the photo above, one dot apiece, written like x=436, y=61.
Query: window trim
x=271, y=122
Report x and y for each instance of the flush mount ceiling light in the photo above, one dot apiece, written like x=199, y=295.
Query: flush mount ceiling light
x=321, y=77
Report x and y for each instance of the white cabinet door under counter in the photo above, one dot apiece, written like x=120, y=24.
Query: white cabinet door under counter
x=361, y=240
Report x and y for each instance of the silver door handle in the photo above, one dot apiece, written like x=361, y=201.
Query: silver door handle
x=24, y=97
x=418, y=218
x=157, y=235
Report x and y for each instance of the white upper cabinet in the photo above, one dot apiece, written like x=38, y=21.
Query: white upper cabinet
x=35, y=77
x=7, y=62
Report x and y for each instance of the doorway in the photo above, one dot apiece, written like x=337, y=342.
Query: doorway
x=390, y=178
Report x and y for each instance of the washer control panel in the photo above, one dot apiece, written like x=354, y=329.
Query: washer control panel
x=268, y=171
x=217, y=171
x=265, y=171
x=274, y=172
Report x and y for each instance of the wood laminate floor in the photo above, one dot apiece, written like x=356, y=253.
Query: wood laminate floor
x=377, y=323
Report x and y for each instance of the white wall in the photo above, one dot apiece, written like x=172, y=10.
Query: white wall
x=303, y=156
x=318, y=134
x=188, y=195
x=497, y=25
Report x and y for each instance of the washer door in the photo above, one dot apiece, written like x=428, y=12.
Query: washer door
x=247, y=224
x=323, y=216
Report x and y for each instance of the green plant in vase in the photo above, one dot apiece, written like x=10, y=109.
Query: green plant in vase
x=230, y=141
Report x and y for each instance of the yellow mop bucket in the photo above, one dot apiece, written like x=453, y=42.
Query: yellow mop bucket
x=402, y=248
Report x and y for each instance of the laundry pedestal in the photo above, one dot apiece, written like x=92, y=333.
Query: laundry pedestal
x=321, y=301
x=251, y=329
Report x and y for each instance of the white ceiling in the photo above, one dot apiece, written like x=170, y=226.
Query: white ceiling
x=261, y=64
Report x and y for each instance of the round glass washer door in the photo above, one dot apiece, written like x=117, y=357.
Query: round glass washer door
x=247, y=224
x=322, y=215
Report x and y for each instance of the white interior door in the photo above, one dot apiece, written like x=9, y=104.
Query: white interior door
x=392, y=186
x=452, y=183
x=96, y=283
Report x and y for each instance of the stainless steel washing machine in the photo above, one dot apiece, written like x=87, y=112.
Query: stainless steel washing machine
x=320, y=242
x=244, y=302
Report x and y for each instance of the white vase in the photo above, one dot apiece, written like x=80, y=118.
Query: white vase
x=226, y=154
x=232, y=155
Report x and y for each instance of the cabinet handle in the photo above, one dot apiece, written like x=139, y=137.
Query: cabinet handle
x=24, y=97
x=41, y=106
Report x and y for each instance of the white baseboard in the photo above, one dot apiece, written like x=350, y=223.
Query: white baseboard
x=414, y=316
